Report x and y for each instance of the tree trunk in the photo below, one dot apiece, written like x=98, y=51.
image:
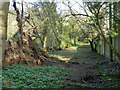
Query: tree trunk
x=70, y=37
x=4, y=7
x=56, y=36
x=74, y=40
x=98, y=27
x=110, y=27
x=91, y=45
x=45, y=43
x=95, y=49
x=20, y=23
x=114, y=13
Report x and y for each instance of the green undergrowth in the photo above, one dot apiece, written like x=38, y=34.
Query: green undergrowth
x=110, y=81
x=19, y=76
x=108, y=77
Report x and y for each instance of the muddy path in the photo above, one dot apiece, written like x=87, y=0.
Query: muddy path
x=87, y=67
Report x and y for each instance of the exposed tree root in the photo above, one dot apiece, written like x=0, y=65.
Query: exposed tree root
x=28, y=54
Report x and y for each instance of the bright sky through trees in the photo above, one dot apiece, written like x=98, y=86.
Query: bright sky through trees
x=61, y=7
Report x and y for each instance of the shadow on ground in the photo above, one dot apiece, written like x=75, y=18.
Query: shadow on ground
x=87, y=67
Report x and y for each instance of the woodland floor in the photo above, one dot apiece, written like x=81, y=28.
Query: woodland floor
x=74, y=67
x=88, y=67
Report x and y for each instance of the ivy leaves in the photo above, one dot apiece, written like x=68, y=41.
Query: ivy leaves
x=33, y=77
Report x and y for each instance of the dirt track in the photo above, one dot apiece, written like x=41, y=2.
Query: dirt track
x=84, y=63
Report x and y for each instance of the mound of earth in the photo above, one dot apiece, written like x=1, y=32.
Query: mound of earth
x=28, y=54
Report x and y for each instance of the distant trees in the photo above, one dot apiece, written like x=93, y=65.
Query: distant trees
x=54, y=31
x=96, y=8
x=40, y=11
x=4, y=7
x=100, y=13
x=88, y=32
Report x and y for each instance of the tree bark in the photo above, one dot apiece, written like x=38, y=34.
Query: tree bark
x=102, y=34
x=20, y=23
x=45, y=43
x=74, y=40
x=95, y=49
x=91, y=45
x=4, y=7
x=59, y=42
x=110, y=27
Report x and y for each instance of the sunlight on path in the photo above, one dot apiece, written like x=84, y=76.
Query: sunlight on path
x=73, y=48
x=75, y=51
x=65, y=54
x=64, y=58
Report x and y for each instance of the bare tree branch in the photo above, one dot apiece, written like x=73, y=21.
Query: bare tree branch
x=78, y=15
x=37, y=25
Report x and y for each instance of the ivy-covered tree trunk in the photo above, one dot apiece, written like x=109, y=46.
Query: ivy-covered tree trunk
x=107, y=41
x=45, y=43
x=4, y=7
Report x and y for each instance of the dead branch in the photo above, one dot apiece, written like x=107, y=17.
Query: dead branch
x=37, y=25
x=20, y=22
